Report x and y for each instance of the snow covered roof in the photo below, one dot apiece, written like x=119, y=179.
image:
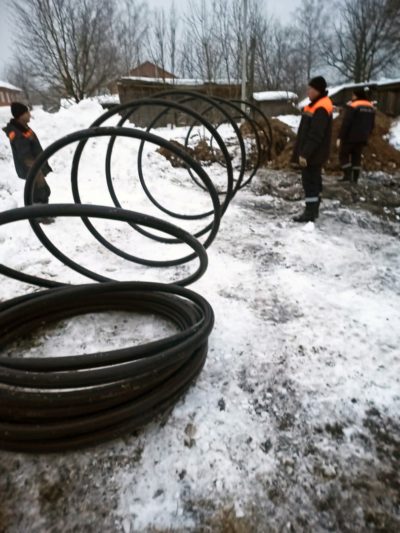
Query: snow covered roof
x=270, y=96
x=6, y=85
x=385, y=81
x=176, y=81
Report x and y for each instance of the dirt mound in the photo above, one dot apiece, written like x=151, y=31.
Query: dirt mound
x=282, y=136
x=202, y=152
x=175, y=160
x=378, y=155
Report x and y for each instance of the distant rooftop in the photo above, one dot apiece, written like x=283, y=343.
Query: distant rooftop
x=175, y=81
x=273, y=96
x=150, y=70
x=6, y=85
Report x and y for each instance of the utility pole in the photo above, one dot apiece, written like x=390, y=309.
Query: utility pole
x=244, y=54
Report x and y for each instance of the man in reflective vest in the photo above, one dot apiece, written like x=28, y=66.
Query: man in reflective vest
x=312, y=145
x=357, y=125
x=26, y=148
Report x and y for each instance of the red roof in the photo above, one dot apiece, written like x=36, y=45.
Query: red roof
x=150, y=70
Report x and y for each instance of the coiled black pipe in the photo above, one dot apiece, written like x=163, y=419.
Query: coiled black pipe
x=53, y=403
x=59, y=403
x=84, y=135
x=128, y=109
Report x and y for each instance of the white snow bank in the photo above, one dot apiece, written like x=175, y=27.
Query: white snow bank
x=267, y=96
x=394, y=134
x=292, y=121
x=178, y=81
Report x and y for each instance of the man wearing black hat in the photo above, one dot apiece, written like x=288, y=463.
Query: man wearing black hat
x=357, y=125
x=312, y=145
x=25, y=149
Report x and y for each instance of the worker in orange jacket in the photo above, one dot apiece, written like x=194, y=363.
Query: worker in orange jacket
x=357, y=125
x=26, y=148
x=312, y=145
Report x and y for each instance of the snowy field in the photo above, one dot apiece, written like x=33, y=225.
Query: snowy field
x=293, y=423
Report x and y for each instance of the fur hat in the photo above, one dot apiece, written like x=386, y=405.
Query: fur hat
x=361, y=93
x=18, y=109
x=319, y=84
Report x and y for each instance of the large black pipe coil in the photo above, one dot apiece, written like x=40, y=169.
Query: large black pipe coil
x=53, y=403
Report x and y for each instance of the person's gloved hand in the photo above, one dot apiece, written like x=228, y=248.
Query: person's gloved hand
x=338, y=142
x=302, y=161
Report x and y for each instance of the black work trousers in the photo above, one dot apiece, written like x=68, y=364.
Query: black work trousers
x=350, y=155
x=41, y=191
x=311, y=178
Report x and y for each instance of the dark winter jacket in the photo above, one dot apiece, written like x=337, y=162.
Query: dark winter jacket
x=25, y=148
x=315, y=132
x=358, y=122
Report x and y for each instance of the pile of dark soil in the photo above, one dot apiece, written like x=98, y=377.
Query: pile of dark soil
x=202, y=152
x=173, y=158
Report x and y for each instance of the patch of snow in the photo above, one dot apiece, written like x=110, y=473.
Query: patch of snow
x=178, y=81
x=267, y=96
x=394, y=134
x=292, y=121
x=66, y=103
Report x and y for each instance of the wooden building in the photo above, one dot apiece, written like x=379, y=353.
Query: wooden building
x=274, y=103
x=388, y=97
x=135, y=87
x=9, y=93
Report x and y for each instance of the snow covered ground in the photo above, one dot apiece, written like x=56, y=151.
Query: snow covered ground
x=394, y=135
x=293, y=121
x=293, y=423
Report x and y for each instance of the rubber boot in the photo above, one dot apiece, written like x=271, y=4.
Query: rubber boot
x=347, y=174
x=309, y=214
x=355, y=175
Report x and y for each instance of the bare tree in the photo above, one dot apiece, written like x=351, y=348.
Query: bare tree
x=259, y=23
x=223, y=34
x=310, y=26
x=173, y=37
x=366, y=41
x=201, y=25
x=187, y=60
x=163, y=38
x=18, y=74
x=69, y=44
x=132, y=33
x=278, y=64
x=158, y=37
x=259, y=26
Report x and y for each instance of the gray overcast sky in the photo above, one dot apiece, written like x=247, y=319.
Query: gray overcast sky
x=280, y=8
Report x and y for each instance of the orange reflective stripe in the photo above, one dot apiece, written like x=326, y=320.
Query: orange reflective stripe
x=361, y=103
x=28, y=134
x=11, y=135
x=325, y=103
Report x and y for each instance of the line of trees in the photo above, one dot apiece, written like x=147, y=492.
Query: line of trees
x=74, y=48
